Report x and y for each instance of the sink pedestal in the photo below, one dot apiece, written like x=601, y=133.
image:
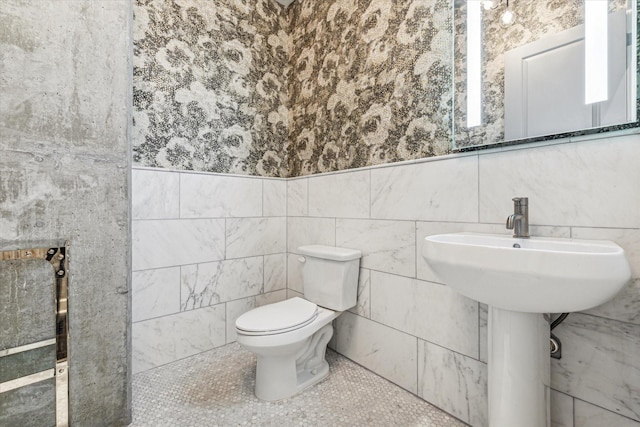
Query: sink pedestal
x=519, y=369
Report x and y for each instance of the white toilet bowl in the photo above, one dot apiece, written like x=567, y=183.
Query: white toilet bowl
x=289, y=339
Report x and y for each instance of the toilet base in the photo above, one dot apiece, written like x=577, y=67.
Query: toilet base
x=280, y=376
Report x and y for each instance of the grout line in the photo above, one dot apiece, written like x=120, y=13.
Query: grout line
x=415, y=230
x=480, y=335
x=370, y=193
x=478, y=184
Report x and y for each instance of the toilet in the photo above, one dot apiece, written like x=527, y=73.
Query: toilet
x=290, y=337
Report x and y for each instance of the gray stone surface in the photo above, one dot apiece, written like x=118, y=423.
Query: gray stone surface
x=64, y=175
x=30, y=406
x=27, y=311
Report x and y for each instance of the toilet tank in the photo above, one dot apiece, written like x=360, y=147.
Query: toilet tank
x=330, y=276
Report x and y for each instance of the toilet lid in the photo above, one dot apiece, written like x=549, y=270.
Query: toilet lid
x=280, y=317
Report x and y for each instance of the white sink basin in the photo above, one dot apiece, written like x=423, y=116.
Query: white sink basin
x=542, y=275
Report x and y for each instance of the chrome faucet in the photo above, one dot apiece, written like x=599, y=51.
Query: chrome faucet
x=518, y=221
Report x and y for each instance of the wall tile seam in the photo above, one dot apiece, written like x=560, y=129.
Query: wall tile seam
x=308, y=198
x=208, y=262
x=208, y=218
x=261, y=292
x=416, y=337
x=225, y=239
x=382, y=271
x=593, y=404
x=485, y=151
x=372, y=269
x=456, y=155
x=417, y=247
x=346, y=218
x=370, y=195
x=185, y=357
x=466, y=356
x=180, y=196
x=206, y=306
x=596, y=316
x=205, y=173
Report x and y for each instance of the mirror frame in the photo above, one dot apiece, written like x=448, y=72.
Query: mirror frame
x=549, y=137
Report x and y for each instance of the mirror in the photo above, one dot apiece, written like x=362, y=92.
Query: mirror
x=526, y=80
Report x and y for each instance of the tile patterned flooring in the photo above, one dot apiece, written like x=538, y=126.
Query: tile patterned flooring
x=215, y=388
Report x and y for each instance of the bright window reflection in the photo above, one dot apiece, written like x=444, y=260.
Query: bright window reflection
x=596, y=56
x=474, y=63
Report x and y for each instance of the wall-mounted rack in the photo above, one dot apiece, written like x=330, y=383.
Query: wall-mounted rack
x=58, y=258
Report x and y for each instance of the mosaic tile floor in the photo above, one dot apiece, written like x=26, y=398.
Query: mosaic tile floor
x=215, y=388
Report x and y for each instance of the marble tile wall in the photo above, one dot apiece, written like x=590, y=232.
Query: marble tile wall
x=206, y=248
x=416, y=332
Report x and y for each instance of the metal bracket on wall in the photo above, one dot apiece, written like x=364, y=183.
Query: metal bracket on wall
x=58, y=258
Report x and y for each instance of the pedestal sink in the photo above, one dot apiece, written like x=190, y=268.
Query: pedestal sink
x=520, y=279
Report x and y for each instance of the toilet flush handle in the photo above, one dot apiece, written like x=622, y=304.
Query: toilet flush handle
x=302, y=259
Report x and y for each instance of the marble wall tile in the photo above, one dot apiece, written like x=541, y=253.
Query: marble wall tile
x=211, y=283
x=388, y=246
x=625, y=306
x=255, y=236
x=363, y=305
x=568, y=184
x=298, y=197
x=599, y=363
x=310, y=231
x=167, y=339
x=155, y=293
x=275, y=272
x=215, y=196
x=343, y=195
x=167, y=243
x=561, y=409
x=592, y=416
x=627, y=239
x=155, y=194
x=430, y=311
x=294, y=274
x=483, y=320
x=386, y=351
x=453, y=382
x=274, y=197
x=291, y=293
x=240, y=306
x=444, y=190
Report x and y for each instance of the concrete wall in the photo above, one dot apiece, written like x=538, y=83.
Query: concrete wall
x=423, y=336
x=64, y=174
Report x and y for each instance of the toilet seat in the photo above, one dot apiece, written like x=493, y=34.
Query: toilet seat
x=277, y=318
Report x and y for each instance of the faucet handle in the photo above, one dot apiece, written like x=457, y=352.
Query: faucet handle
x=520, y=201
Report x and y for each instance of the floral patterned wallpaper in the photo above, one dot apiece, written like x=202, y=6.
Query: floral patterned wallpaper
x=247, y=87
x=370, y=83
x=210, y=91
